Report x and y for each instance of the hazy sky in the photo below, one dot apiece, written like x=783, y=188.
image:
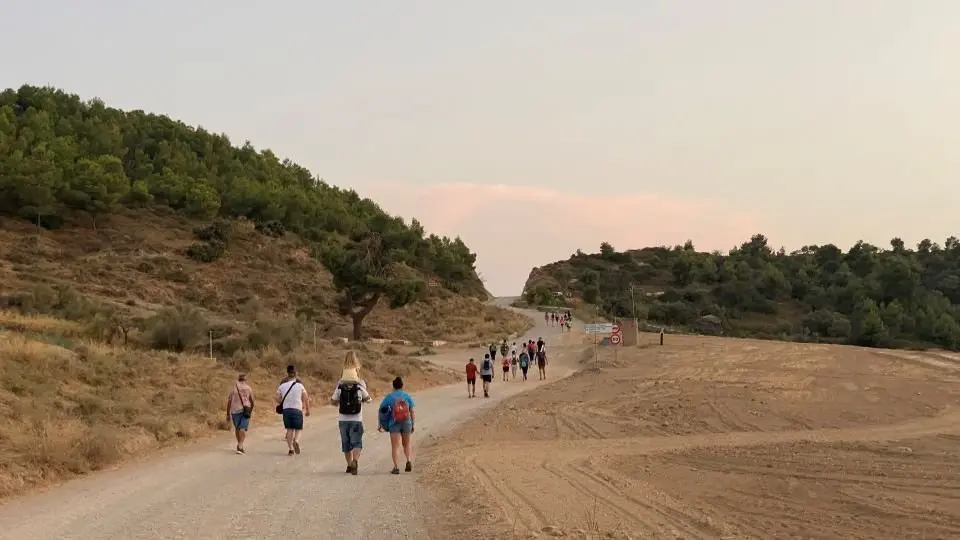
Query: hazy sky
x=535, y=127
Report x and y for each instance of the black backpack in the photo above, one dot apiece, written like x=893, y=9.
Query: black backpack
x=350, y=398
x=487, y=365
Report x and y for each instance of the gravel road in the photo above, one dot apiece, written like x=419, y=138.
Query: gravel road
x=205, y=491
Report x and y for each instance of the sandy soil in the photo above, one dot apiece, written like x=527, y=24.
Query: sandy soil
x=712, y=438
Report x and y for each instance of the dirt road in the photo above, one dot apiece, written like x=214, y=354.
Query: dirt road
x=207, y=492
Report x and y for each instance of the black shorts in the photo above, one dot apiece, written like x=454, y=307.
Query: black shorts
x=472, y=380
x=487, y=378
x=506, y=369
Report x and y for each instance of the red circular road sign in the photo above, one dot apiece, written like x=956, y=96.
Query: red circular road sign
x=615, y=339
x=616, y=329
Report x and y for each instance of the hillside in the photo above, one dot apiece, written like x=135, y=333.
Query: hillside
x=137, y=211
x=896, y=297
x=132, y=244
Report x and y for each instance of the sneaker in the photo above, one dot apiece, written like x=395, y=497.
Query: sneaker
x=289, y=452
x=409, y=467
x=349, y=469
x=296, y=448
x=353, y=467
x=395, y=471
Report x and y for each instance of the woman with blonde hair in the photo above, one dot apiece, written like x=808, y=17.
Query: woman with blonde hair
x=351, y=367
x=350, y=394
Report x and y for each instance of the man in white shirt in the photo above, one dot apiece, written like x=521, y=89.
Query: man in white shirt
x=293, y=403
x=349, y=397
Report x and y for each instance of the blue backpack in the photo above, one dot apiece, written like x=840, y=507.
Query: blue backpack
x=385, y=416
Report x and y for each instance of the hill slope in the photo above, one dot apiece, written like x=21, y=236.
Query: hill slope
x=141, y=211
x=869, y=296
x=131, y=243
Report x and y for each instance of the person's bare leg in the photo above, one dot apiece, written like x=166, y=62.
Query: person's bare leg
x=395, y=449
x=407, y=451
x=289, y=438
x=349, y=457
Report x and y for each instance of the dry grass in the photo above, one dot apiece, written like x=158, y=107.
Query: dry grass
x=16, y=322
x=136, y=263
x=72, y=406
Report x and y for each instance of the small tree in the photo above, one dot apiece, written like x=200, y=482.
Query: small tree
x=368, y=269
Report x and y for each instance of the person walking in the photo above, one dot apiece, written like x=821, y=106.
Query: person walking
x=471, y=379
x=349, y=396
x=397, y=418
x=486, y=374
x=293, y=403
x=513, y=364
x=240, y=409
x=524, y=363
x=542, y=359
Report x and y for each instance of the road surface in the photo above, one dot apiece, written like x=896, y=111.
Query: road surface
x=205, y=491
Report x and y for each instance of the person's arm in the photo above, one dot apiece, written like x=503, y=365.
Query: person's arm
x=251, y=399
x=335, y=398
x=364, y=394
x=229, y=402
x=413, y=419
x=306, y=402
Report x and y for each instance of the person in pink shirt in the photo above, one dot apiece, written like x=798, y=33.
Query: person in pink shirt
x=239, y=409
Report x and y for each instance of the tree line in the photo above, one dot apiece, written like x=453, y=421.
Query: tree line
x=61, y=156
x=867, y=295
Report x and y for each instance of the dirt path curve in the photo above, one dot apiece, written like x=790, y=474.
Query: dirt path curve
x=204, y=491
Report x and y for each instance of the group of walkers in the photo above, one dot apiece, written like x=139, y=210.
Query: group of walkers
x=396, y=411
x=395, y=414
x=561, y=319
x=511, y=362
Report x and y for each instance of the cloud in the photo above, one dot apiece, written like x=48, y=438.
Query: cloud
x=515, y=228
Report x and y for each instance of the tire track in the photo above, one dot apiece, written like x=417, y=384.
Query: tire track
x=948, y=423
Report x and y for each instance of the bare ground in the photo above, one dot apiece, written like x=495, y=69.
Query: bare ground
x=713, y=438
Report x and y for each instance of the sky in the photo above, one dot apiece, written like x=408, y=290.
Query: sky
x=533, y=128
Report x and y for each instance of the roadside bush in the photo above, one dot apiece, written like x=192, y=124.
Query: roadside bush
x=177, y=328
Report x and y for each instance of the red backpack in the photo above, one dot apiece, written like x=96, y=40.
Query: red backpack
x=401, y=412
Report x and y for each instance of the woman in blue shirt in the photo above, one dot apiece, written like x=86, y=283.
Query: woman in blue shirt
x=396, y=417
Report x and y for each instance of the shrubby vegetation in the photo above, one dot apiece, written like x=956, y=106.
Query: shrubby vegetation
x=895, y=297
x=61, y=157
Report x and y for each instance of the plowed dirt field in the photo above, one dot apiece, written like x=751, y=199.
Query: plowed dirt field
x=712, y=438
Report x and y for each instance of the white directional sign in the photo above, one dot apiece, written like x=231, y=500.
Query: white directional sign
x=600, y=328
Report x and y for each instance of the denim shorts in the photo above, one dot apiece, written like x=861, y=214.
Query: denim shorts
x=241, y=422
x=403, y=427
x=351, y=435
x=293, y=419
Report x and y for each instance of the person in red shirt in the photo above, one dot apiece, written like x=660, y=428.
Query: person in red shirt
x=506, y=367
x=471, y=379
